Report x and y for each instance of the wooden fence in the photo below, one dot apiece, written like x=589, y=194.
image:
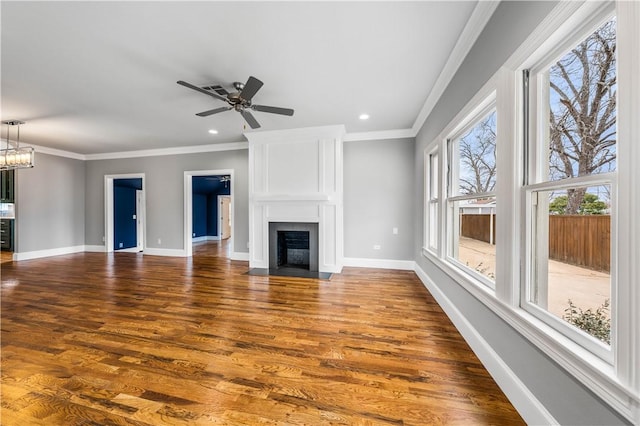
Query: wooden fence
x=479, y=227
x=579, y=240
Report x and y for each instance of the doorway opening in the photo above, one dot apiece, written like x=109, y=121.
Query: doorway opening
x=125, y=213
x=208, y=208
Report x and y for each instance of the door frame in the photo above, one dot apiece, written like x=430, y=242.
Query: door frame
x=108, y=209
x=188, y=205
x=140, y=220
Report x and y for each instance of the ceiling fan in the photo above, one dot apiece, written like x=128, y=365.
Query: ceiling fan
x=240, y=100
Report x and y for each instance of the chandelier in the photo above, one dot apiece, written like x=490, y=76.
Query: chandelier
x=16, y=157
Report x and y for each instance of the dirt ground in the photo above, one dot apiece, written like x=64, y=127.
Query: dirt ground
x=586, y=288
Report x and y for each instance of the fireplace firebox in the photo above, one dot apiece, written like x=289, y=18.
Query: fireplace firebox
x=293, y=245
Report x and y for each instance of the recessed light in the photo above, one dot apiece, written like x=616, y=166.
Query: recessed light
x=364, y=116
x=213, y=131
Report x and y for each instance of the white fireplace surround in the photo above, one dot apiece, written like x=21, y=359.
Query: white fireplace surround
x=296, y=176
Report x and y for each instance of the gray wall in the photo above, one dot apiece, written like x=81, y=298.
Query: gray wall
x=50, y=204
x=568, y=401
x=164, y=188
x=378, y=196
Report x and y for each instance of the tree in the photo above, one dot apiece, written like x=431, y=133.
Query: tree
x=478, y=156
x=590, y=205
x=583, y=111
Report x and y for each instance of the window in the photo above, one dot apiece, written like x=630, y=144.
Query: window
x=571, y=187
x=433, y=184
x=471, y=200
x=567, y=153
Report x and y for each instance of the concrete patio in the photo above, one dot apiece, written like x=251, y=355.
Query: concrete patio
x=585, y=287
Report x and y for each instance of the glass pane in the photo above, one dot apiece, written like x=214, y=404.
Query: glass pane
x=433, y=176
x=582, y=102
x=573, y=247
x=433, y=225
x=476, y=153
x=474, y=237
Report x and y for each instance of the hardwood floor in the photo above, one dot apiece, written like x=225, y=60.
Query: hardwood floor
x=127, y=339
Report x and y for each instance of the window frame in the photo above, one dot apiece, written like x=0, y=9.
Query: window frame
x=432, y=200
x=615, y=379
x=482, y=109
x=536, y=180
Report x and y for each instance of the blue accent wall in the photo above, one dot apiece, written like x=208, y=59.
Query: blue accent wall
x=200, y=215
x=124, y=208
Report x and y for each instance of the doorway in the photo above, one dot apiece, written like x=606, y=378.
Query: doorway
x=125, y=213
x=208, y=209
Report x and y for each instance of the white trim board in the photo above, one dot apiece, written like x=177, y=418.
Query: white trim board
x=37, y=254
x=404, y=265
x=236, y=255
x=528, y=406
x=164, y=252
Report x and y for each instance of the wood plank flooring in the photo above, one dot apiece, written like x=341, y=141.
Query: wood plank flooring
x=127, y=339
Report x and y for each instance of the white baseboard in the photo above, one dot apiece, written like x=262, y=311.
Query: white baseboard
x=406, y=265
x=96, y=249
x=164, y=252
x=205, y=238
x=27, y=255
x=529, y=407
x=128, y=250
x=236, y=255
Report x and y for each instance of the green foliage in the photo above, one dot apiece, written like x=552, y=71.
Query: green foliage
x=597, y=323
x=590, y=205
x=558, y=205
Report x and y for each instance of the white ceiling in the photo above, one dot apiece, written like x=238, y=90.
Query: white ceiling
x=100, y=77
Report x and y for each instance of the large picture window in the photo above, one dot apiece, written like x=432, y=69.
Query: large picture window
x=571, y=189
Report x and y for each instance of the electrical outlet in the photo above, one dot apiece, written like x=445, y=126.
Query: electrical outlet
x=159, y=241
x=376, y=247
x=120, y=245
x=194, y=234
x=395, y=231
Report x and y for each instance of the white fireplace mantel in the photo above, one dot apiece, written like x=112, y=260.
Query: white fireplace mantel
x=296, y=176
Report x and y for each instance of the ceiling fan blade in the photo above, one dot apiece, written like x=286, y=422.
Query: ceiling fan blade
x=250, y=119
x=272, y=109
x=213, y=111
x=250, y=88
x=206, y=92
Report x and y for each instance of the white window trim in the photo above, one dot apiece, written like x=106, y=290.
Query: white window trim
x=429, y=199
x=617, y=384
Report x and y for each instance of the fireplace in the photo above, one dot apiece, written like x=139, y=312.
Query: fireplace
x=293, y=245
x=295, y=187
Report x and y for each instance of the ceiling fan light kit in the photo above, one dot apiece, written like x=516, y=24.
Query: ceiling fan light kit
x=240, y=100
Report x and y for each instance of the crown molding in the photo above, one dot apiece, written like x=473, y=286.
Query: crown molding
x=478, y=20
x=58, y=152
x=381, y=134
x=169, y=151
